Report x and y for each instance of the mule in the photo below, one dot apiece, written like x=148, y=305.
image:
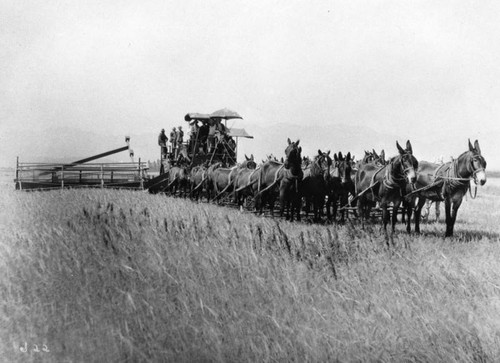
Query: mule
x=339, y=185
x=371, y=164
x=242, y=180
x=275, y=179
x=264, y=185
x=292, y=175
x=313, y=187
x=371, y=157
x=448, y=182
x=198, y=181
x=388, y=184
x=178, y=181
x=210, y=177
x=221, y=181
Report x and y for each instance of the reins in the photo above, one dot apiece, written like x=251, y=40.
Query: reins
x=451, y=178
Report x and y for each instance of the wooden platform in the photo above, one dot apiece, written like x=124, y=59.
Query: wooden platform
x=44, y=176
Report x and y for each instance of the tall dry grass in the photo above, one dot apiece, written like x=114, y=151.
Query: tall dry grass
x=102, y=275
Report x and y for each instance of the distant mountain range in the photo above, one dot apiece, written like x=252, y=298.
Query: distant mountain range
x=67, y=144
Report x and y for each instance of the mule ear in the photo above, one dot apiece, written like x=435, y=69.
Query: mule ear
x=400, y=149
x=341, y=157
x=348, y=156
x=382, y=155
x=246, y=157
x=300, y=149
x=476, y=146
x=289, y=142
x=375, y=154
x=251, y=157
x=319, y=152
x=471, y=148
x=408, y=147
x=335, y=157
x=328, y=153
x=297, y=143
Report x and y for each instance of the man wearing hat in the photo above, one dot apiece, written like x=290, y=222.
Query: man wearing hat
x=179, y=140
x=162, y=141
x=173, y=138
x=193, y=133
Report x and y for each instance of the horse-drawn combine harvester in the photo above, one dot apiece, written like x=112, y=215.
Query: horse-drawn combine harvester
x=211, y=142
x=206, y=165
x=372, y=187
x=82, y=173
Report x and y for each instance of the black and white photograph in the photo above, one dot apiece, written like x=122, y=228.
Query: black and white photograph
x=249, y=181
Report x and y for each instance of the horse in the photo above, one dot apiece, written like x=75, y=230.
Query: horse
x=178, y=180
x=220, y=179
x=313, y=187
x=306, y=161
x=210, y=174
x=291, y=178
x=371, y=157
x=242, y=180
x=340, y=185
x=198, y=181
x=282, y=179
x=448, y=182
x=425, y=211
x=370, y=163
x=263, y=184
x=388, y=184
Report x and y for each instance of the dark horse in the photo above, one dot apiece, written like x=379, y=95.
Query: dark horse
x=290, y=181
x=284, y=178
x=313, y=187
x=371, y=157
x=388, y=184
x=371, y=164
x=449, y=182
x=340, y=185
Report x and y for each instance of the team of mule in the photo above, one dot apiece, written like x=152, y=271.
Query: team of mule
x=332, y=185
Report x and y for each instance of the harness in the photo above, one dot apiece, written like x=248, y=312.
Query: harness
x=228, y=182
x=249, y=183
x=390, y=181
x=203, y=178
x=273, y=183
x=451, y=180
x=456, y=182
x=373, y=183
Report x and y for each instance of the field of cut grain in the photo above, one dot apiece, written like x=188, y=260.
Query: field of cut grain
x=120, y=276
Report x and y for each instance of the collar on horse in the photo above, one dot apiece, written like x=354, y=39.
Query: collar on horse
x=392, y=181
x=446, y=183
x=457, y=180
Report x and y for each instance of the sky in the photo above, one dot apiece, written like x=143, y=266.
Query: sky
x=416, y=69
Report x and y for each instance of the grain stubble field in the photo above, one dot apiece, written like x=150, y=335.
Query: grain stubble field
x=107, y=275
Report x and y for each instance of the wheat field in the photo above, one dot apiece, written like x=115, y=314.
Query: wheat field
x=122, y=276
